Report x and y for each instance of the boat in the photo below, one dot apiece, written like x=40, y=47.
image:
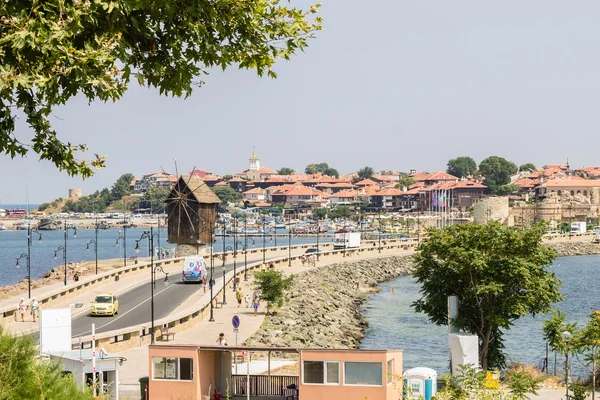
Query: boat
x=47, y=225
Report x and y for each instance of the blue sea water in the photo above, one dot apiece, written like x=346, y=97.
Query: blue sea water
x=394, y=324
x=14, y=243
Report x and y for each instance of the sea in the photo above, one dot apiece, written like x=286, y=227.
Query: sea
x=14, y=243
x=394, y=324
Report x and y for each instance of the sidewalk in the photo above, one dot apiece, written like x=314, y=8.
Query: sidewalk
x=206, y=332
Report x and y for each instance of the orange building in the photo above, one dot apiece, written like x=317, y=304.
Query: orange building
x=194, y=372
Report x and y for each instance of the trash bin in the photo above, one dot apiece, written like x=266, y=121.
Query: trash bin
x=420, y=383
x=144, y=388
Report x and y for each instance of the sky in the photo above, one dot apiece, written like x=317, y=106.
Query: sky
x=393, y=85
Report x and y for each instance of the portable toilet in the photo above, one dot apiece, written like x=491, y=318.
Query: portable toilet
x=420, y=383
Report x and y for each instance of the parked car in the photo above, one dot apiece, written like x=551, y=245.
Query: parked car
x=311, y=250
x=105, y=304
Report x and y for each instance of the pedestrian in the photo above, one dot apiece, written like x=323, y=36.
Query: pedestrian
x=239, y=296
x=393, y=289
x=22, y=309
x=35, y=306
x=271, y=266
x=247, y=300
x=221, y=341
x=303, y=259
x=204, y=283
x=255, y=304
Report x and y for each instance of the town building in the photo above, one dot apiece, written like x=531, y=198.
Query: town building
x=255, y=172
x=158, y=179
x=194, y=371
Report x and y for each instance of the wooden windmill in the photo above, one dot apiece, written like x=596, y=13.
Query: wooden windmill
x=192, y=212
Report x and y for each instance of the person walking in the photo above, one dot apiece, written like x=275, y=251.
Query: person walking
x=247, y=300
x=34, y=306
x=22, y=309
x=255, y=304
x=239, y=296
x=221, y=341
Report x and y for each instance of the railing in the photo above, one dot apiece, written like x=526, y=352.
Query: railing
x=262, y=385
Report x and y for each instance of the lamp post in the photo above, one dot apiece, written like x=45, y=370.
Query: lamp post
x=234, y=253
x=263, y=235
x=87, y=248
x=212, y=268
x=122, y=238
x=318, y=232
x=228, y=248
x=28, y=256
x=245, y=248
x=289, y=240
x=64, y=248
x=567, y=336
x=379, y=231
x=150, y=236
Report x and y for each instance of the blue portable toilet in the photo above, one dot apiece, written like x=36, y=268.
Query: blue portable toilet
x=420, y=382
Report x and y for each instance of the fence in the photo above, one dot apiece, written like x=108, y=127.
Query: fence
x=262, y=385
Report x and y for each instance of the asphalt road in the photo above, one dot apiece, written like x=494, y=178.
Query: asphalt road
x=135, y=305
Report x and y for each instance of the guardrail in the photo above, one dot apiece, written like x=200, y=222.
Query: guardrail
x=74, y=288
x=139, y=335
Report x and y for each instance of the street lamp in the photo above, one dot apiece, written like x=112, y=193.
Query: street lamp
x=318, y=232
x=245, y=248
x=241, y=244
x=123, y=238
x=28, y=256
x=379, y=228
x=212, y=268
x=150, y=236
x=227, y=248
x=263, y=235
x=289, y=240
x=567, y=336
x=64, y=248
x=234, y=253
x=87, y=248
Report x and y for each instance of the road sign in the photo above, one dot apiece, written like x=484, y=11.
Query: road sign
x=235, y=321
x=235, y=330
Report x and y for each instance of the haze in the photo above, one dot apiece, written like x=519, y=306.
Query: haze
x=389, y=84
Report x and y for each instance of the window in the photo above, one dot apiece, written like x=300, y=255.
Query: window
x=321, y=372
x=363, y=373
x=173, y=368
x=390, y=371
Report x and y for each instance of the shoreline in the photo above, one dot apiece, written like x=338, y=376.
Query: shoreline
x=324, y=306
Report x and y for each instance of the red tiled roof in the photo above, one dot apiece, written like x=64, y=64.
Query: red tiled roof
x=255, y=191
x=366, y=182
x=388, y=192
x=441, y=176
x=568, y=182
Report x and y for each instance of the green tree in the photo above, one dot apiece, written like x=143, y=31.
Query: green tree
x=155, y=198
x=340, y=212
x=43, y=206
x=462, y=167
x=365, y=173
x=320, y=213
x=54, y=50
x=285, y=171
x=272, y=285
x=23, y=377
x=527, y=167
x=509, y=188
x=586, y=346
x=405, y=181
x=121, y=187
x=227, y=195
x=498, y=273
x=323, y=168
x=497, y=172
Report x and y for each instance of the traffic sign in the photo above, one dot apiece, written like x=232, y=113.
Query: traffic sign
x=235, y=330
x=235, y=321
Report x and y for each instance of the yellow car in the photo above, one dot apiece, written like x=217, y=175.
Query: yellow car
x=105, y=304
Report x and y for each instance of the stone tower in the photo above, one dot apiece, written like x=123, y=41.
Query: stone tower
x=254, y=167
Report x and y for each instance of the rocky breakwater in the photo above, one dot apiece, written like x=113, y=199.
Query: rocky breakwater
x=322, y=310
x=574, y=248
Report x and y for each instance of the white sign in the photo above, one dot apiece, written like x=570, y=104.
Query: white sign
x=55, y=330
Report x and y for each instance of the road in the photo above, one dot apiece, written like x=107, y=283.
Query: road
x=135, y=304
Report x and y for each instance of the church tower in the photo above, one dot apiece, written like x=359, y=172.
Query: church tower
x=254, y=167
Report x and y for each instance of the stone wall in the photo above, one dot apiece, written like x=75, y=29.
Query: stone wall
x=491, y=209
x=323, y=306
x=574, y=248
